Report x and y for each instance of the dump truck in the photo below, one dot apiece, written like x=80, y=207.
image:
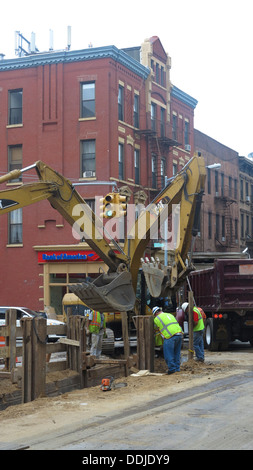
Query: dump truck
x=225, y=293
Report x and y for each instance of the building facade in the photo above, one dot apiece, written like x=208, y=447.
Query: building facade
x=101, y=116
x=219, y=233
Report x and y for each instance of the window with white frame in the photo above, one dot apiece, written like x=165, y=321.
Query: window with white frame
x=87, y=100
x=88, y=158
x=15, y=107
x=16, y=227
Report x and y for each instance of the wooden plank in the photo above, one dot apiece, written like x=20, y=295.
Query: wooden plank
x=11, y=320
x=69, y=342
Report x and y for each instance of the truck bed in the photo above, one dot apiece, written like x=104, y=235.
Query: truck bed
x=226, y=286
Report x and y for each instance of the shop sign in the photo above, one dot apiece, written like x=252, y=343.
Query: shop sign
x=67, y=256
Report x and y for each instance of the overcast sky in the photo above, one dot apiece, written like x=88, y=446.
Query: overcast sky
x=210, y=44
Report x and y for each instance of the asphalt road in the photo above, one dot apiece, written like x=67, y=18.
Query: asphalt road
x=216, y=416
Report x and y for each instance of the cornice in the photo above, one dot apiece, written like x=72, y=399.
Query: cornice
x=55, y=57
x=184, y=97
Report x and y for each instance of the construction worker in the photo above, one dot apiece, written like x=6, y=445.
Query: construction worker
x=198, y=330
x=97, y=329
x=172, y=333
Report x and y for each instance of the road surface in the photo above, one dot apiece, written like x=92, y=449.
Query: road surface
x=208, y=408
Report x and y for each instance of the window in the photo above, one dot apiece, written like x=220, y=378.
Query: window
x=242, y=226
x=186, y=132
x=222, y=184
x=162, y=76
x=15, y=159
x=153, y=170
x=88, y=158
x=223, y=228
x=137, y=166
x=236, y=230
x=153, y=117
x=87, y=100
x=209, y=225
x=208, y=180
x=235, y=188
x=121, y=161
x=241, y=190
x=136, y=110
x=174, y=127
x=162, y=122
x=174, y=169
x=157, y=75
x=15, y=227
x=121, y=103
x=217, y=231
x=247, y=226
x=163, y=171
x=230, y=186
x=216, y=179
x=15, y=107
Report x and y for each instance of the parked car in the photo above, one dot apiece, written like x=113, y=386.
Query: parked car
x=27, y=312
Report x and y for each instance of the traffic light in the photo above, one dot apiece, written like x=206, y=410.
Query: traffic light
x=108, y=206
x=122, y=205
x=113, y=205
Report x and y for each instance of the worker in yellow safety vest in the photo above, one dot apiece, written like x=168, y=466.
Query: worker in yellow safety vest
x=198, y=330
x=97, y=329
x=172, y=333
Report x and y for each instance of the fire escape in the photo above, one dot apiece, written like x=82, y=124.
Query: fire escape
x=159, y=139
x=225, y=237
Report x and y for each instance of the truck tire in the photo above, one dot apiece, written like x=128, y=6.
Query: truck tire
x=210, y=344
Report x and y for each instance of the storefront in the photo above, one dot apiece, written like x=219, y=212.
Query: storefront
x=64, y=265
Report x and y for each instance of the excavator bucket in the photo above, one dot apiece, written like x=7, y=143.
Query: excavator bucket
x=154, y=274
x=111, y=292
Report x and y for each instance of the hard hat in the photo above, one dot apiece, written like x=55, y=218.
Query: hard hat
x=155, y=310
x=184, y=306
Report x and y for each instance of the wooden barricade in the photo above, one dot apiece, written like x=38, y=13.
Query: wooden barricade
x=145, y=342
x=34, y=358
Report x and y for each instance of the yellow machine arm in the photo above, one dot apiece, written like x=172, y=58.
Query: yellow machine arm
x=65, y=199
x=115, y=290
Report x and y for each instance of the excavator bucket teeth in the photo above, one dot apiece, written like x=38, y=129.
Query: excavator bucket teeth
x=111, y=292
x=154, y=278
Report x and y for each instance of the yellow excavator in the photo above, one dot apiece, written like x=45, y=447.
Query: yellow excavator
x=115, y=290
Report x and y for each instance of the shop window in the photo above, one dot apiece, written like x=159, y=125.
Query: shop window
x=87, y=100
x=16, y=227
x=88, y=158
x=15, y=107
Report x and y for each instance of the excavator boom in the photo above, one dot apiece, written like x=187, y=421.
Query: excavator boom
x=115, y=290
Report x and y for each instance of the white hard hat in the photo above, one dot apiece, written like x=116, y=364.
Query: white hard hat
x=155, y=310
x=184, y=306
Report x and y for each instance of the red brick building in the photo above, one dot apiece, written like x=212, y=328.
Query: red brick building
x=219, y=233
x=94, y=115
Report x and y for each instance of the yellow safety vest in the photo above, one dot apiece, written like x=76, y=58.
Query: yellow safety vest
x=200, y=325
x=94, y=325
x=167, y=324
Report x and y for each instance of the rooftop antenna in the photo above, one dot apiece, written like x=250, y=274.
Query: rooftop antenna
x=51, y=40
x=69, y=38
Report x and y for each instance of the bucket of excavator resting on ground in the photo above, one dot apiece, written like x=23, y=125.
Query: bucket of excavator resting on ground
x=111, y=292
